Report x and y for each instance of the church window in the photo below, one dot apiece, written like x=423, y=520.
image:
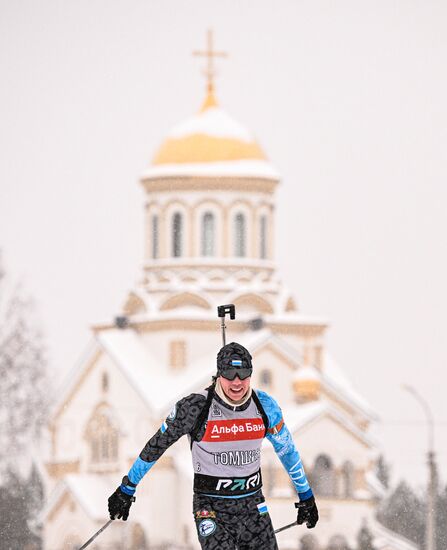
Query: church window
x=338, y=542
x=263, y=237
x=104, y=381
x=323, y=477
x=177, y=352
x=208, y=234
x=155, y=236
x=347, y=476
x=177, y=223
x=102, y=437
x=138, y=538
x=266, y=377
x=309, y=542
x=240, y=235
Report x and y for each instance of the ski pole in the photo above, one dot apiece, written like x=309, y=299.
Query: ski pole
x=286, y=527
x=222, y=312
x=90, y=540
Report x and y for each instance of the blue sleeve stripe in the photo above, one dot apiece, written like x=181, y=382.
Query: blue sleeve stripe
x=306, y=495
x=128, y=490
x=139, y=470
x=164, y=427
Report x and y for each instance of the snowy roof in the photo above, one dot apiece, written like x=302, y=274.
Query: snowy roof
x=235, y=168
x=210, y=143
x=213, y=121
x=333, y=376
x=375, y=485
x=307, y=373
x=91, y=491
x=299, y=416
x=384, y=539
x=140, y=367
x=188, y=312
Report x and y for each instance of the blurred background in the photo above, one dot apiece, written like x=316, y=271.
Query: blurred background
x=348, y=101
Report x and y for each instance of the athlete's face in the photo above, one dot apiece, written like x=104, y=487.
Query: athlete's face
x=235, y=389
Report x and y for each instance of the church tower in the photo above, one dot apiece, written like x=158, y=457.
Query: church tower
x=210, y=219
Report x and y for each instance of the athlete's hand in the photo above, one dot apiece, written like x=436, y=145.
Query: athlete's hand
x=119, y=504
x=307, y=512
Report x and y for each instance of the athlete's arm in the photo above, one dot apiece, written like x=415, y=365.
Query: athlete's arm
x=180, y=421
x=285, y=448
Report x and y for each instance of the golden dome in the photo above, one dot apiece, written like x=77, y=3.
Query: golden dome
x=210, y=136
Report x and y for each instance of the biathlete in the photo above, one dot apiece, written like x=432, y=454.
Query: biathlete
x=226, y=424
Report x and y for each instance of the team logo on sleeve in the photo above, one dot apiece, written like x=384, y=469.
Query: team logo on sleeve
x=207, y=527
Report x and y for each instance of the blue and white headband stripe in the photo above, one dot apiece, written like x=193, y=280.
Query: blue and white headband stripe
x=236, y=363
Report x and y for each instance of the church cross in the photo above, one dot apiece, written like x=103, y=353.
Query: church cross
x=210, y=54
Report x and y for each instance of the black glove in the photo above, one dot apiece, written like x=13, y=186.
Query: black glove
x=119, y=504
x=307, y=512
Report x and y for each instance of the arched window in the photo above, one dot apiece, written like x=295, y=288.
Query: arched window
x=338, y=542
x=155, y=233
x=102, y=437
x=239, y=235
x=323, y=477
x=263, y=237
x=347, y=479
x=138, y=538
x=208, y=229
x=105, y=382
x=265, y=377
x=177, y=223
x=309, y=542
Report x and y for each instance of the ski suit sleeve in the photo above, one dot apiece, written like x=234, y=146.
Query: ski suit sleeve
x=284, y=446
x=180, y=421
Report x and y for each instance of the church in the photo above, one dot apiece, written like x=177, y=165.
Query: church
x=209, y=240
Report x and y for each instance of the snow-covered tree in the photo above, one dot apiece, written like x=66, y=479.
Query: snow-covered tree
x=23, y=405
x=383, y=472
x=441, y=520
x=404, y=513
x=23, y=381
x=365, y=539
x=20, y=502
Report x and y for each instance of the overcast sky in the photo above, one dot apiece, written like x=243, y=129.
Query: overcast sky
x=347, y=99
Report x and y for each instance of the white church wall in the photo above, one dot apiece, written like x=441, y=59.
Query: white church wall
x=343, y=517
x=329, y=437
x=281, y=387
x=198, y=344
x=127, y=408
x=69, y=526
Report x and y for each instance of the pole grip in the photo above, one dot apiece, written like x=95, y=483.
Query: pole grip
x=228, y=308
